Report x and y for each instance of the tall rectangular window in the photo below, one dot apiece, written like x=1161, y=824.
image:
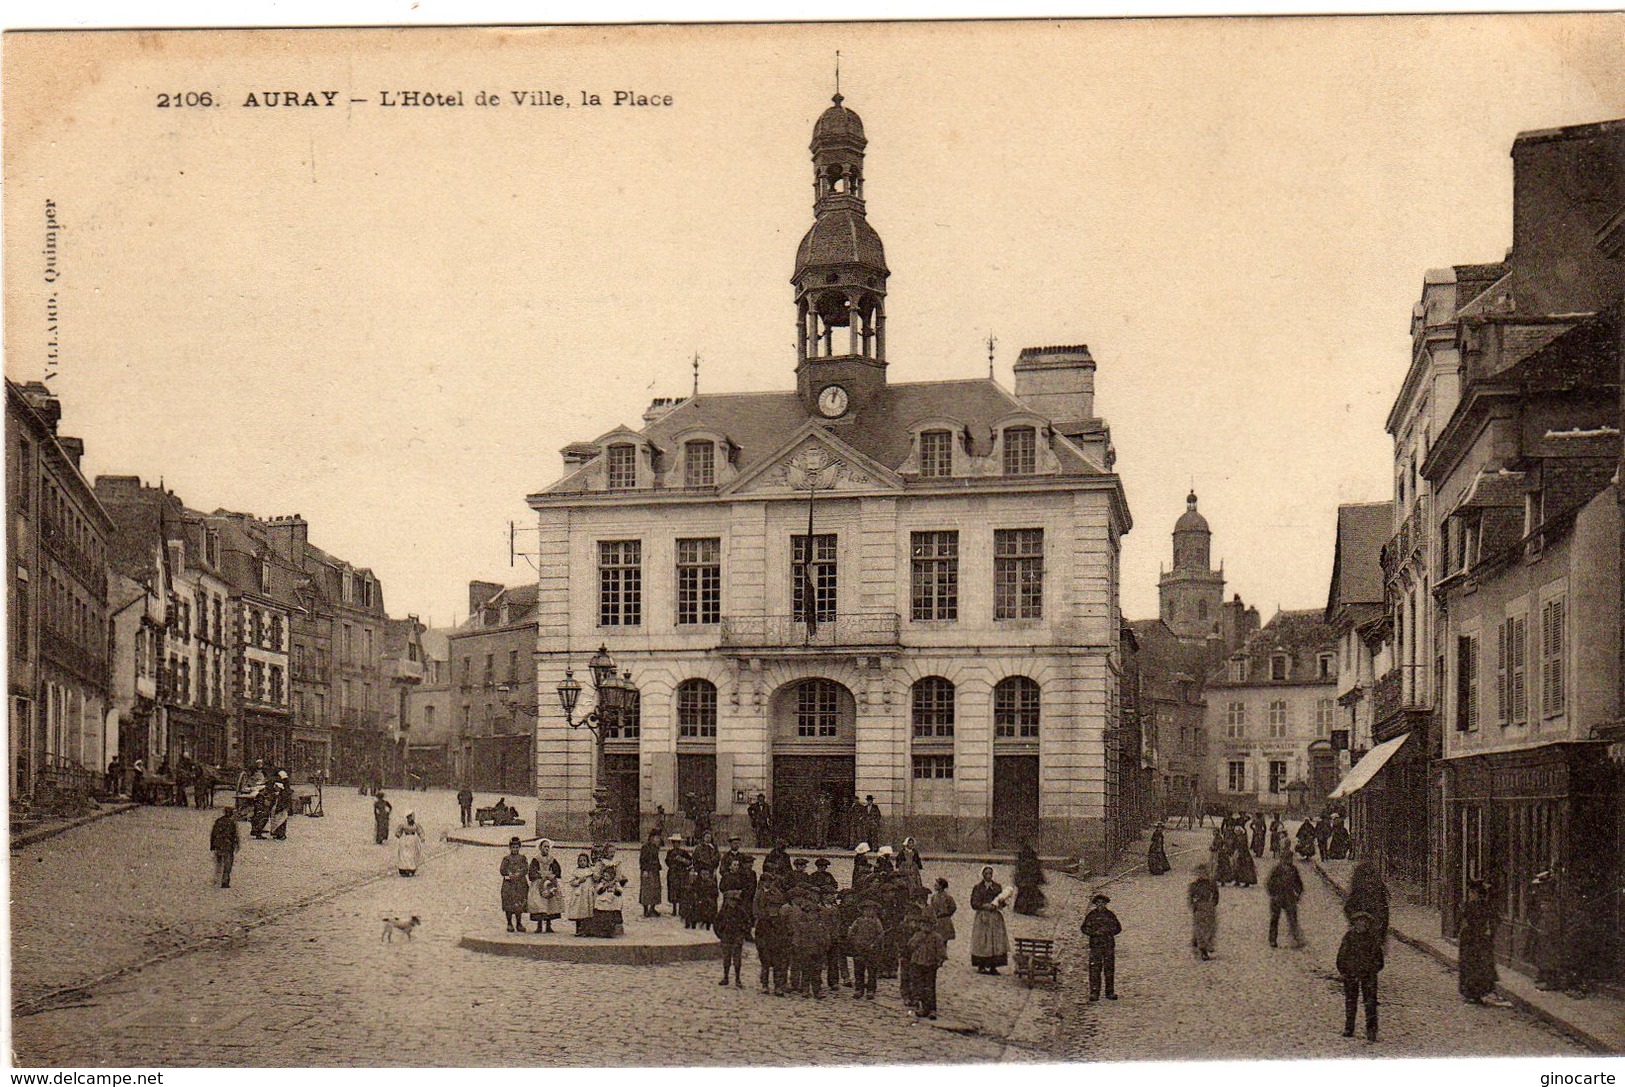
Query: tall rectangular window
x=19, y=641
x=1235, y=721
x=622, y=467
x=1325, y=716
x=699, y=580
x=1018, y=573
x=513, y=666
x=1278, y=719
x=276, y=685
x=1236, y=776
x=1020, y=451
x=697, y=710
x=620, y=583
x=935, y=575
x=1551, y=657
x=699, y=463
x=1466, y=684
x=936, y=454
x=821, y=578
x=1517, y=641
x=1277, y=776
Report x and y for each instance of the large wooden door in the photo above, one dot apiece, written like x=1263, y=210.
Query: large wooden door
x=1015, y=800
x=809, y=792
x=621, y=775
x=697, y=785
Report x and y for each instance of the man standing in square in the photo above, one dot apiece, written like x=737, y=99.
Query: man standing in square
x=224, y=841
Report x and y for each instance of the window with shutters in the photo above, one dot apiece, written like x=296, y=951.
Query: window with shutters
x=1018, y=573
x=696, y=710
x=620, y=583
x=1277, y=776
x=933, y=709
x=699, y=581
x=1551, y=657
x=1466, y=684
x=1517, y=646
x=1278, y=719
x=1016, y=704
x=622, y=467
x=934, y=575
x=821, y=578
x=936, y=454
x=1236, y=776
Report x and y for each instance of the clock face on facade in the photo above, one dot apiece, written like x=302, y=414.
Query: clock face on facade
x=832, y=401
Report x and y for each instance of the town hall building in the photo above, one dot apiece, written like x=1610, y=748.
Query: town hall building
x=853, y=587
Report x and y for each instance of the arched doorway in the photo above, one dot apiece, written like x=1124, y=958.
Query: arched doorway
x=814, y=730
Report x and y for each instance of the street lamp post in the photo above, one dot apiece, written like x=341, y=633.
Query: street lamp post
x=614, y=694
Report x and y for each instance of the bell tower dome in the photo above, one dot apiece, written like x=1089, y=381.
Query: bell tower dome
x=840, y=277
x=1192, y=593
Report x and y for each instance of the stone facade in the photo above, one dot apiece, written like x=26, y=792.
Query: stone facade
x=961, y=660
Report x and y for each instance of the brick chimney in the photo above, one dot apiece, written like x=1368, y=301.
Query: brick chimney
x=1058, y=383
x=480, y=594
x=288, y=535
x=73, y=447
x=40, y=399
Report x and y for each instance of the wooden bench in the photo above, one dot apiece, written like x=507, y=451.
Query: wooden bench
x=1036, y=959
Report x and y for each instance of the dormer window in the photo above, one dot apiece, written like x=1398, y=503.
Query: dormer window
x=936, y=454
x=1020, y=451
x=1328, y=666
x=622, y=467
x=1280, y=667
x=1238, y=670
x=699, y=464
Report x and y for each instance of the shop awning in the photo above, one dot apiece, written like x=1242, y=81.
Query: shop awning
x=1366, y=769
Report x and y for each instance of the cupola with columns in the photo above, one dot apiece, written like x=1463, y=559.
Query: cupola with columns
x=840, y=277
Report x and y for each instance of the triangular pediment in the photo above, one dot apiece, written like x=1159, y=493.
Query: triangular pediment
x=816, y=459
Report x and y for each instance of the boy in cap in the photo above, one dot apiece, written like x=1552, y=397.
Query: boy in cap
x=1100, y=924
x=1359, y=959
x=927, y=951
x=866, y=939
x=224, y=841
x=731, y=926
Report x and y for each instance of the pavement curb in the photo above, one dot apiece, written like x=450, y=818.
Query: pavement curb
x=40, y=834
x=1551, y=1018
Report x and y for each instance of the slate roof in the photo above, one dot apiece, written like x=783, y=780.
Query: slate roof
x=758, y=424
x=1586, y=356
x=1362, y=529
x=840, y=236
x=1303, y=635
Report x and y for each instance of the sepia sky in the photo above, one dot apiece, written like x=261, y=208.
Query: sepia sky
x=390, y=320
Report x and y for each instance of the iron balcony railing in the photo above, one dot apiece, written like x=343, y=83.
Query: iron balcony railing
x=792, y=631
x=1411, y=537
x=1404, y=689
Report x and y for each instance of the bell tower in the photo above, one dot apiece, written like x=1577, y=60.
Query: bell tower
x=1192, y=593
x=840, y=278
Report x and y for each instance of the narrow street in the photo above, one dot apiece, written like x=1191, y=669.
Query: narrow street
x=315, y=984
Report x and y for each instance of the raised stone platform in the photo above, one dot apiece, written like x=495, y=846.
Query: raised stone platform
x=646, y=943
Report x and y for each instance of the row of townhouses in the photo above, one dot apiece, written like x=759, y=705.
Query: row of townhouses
x=143, y=629
x=1478, y=612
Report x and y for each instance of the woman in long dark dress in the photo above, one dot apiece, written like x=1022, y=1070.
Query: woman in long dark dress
x=702, y=897
x=546, y=900
x=1242, y=869
x=1260, y=829
x=1477, y=953
x=1028, y=878
x=515, y=873
x=1156, y=857
x=677, y=865
x=989, y=944
x=1203, y=895
x=1219, y=849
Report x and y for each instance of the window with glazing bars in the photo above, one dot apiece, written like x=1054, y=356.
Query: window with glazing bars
x=622, y=467
x=696, y=709
x=1018, y=573
x=933, y=709
x=699, y=580
x=824, y=580
x=628, y=724
x=935, y=577
x=1020, y=451
x=1235, y=721
x=1015, y=709
x=928, y=767
x=818, y=710
x=620, y=583
x=699, y=463
x=936, y=454
x=1278, y=719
